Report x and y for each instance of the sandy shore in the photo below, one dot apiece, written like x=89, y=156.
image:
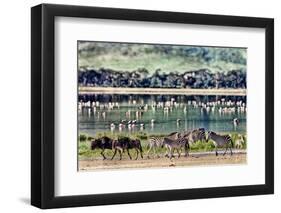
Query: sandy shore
x=161, y=91
x=195, y=159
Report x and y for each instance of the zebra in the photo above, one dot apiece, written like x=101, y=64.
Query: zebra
x=220, y=141
x=178, y=144
x=195, y=135
x=157, y=142
x=239, y=142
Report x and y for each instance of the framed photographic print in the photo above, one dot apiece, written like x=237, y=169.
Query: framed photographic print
x=139, y=106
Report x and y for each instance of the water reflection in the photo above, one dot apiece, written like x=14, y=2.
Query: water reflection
x=160, y=113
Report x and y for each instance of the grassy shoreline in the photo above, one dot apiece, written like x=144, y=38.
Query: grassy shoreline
x=160, y=91
x=84, y=141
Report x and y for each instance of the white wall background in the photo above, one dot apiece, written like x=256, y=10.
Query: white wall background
x=15, y=115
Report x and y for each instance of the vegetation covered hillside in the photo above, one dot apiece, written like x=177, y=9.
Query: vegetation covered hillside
x=144, y=65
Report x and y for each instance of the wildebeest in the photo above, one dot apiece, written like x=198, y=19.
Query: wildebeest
x=102, y=143
x=126, y=143
x=175, y=144
x=157, y=142
x=220, y=141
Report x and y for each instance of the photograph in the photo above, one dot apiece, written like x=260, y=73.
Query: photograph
x=147, y=105
x=173, y=105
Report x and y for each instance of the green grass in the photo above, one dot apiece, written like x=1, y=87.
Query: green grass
x=85, y=152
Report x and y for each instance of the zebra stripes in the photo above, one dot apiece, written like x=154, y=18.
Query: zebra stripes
x=156, y=140
x=155, y=143
x=177, y=141
x=195, y=135
x=220, y=141
x=175, y=144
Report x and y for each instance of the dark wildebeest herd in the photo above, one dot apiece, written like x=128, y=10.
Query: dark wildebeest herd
x=175, y=141
x=120, y=145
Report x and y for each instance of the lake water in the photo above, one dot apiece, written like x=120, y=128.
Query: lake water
x=160, y=113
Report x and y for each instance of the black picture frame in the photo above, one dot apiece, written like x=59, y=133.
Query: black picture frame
x=43, y=102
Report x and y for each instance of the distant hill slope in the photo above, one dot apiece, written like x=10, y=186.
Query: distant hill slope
x=167, y=58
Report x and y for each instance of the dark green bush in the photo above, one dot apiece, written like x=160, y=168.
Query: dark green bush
x=82, y=138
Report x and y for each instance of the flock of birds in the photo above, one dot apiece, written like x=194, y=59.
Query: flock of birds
x=132, y=118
